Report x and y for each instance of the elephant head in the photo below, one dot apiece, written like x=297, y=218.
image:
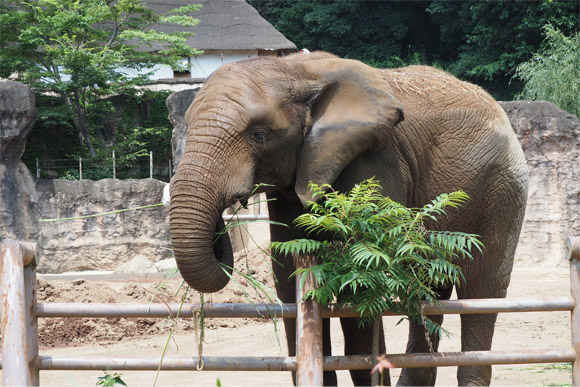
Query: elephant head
x=279, y=121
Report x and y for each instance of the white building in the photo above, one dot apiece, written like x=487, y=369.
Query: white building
x=228, y=31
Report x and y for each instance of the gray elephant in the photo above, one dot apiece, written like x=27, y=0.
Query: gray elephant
x=315, y=117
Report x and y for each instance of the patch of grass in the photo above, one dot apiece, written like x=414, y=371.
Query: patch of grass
x=544, y=368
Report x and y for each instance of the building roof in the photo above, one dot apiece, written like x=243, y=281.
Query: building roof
x=227, y=25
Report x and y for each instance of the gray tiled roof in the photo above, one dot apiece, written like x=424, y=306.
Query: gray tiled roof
x=224, y=25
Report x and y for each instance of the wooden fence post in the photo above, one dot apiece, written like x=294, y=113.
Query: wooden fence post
x=308, y=329
x=573, y=251
x=19, y=333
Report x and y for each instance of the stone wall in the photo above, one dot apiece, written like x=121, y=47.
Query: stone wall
x=550, y=138
x=177, y=105
x=101, y=242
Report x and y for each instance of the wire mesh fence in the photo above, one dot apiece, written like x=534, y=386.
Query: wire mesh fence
x=97, y=169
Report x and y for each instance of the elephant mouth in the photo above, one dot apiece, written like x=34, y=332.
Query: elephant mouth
x=222, y=247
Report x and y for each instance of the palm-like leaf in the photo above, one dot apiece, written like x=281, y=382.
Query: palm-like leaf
x=382, y=257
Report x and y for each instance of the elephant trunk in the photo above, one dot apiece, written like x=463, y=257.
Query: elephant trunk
x=201, y=245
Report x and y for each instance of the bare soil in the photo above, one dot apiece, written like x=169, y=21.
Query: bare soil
x=132, y=337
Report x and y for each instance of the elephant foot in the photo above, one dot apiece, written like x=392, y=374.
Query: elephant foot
x=474, y=376
x=417, y=377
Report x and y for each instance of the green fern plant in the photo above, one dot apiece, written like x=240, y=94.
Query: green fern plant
x=375, y=254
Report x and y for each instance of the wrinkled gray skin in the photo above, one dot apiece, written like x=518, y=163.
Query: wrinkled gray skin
x=288, y=121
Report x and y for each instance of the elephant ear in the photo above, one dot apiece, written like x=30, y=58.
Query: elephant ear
x=352, y=112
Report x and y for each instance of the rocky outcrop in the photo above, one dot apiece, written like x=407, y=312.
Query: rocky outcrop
x=18, y=195
x=177, y=105
x=17, y=117
x=550, y=138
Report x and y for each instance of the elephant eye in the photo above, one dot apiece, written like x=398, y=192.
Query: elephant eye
x=259, y=135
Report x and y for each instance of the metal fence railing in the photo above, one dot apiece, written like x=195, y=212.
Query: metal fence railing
x=21, y=360
x=80, y=169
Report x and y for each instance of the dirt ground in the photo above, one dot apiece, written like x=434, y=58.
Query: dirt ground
x=256, y=337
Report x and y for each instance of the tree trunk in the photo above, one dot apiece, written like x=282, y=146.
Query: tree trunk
x=80, y=123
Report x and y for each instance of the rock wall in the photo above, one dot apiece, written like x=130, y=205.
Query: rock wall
x=18, y=195
x=550, y=138
x=101, y=242
x=177, y=105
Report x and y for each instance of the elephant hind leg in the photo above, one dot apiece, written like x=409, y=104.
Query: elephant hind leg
x=488, y=275
x=418, y=344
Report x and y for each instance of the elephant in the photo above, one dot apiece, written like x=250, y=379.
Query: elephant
x=288, y=121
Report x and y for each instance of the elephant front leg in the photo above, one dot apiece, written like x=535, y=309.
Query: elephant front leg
x=418, y=344
x=358, y=341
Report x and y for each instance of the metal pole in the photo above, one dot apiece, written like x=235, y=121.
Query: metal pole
x=158, y=310
x=189, y=363
x=451, y=359
x=331, y=363
x=375, y=349
x=218, y=310
x=37, y=169
x=30, y=298
x=16, y=356
x=573, y=252
x=308, y=329
x=169, y=162
x=80, y=168
x=151, y=164
x=114, y=167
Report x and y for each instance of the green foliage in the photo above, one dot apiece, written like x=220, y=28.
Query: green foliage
x=553, y=74
x=489, y=39
x=375, y=32
x=110, y=380
x=82, y=51
x=480, y=41
x=378, y=255
x=143, y=126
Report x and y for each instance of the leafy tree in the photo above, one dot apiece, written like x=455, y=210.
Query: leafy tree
x=379, y=254
x=480, y=41
x=139, y=125
x=376, y=32
x=553, y=74
x=82, y=50
x=488, y=39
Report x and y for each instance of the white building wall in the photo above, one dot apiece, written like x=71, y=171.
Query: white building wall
x=202, y=66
